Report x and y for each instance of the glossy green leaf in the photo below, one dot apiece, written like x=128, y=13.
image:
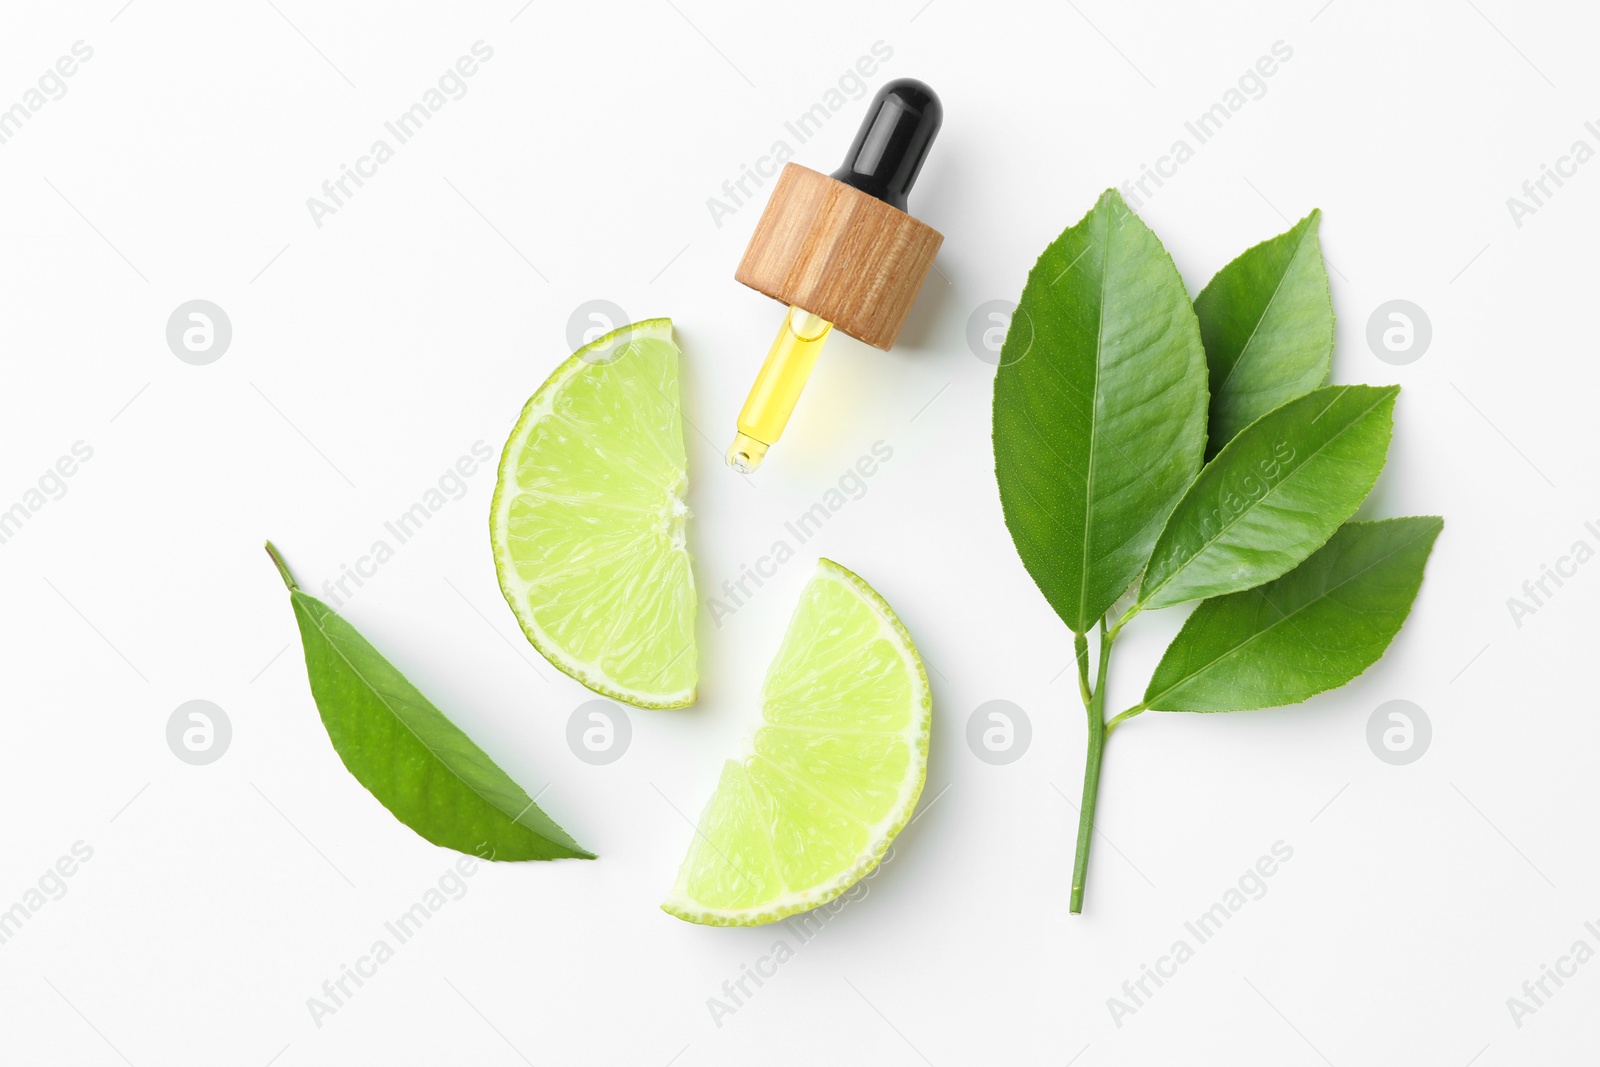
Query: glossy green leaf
x=414, y=760
x=1273, y=496
x=1267, y=322
x=1314, y=629
x=1099, y=409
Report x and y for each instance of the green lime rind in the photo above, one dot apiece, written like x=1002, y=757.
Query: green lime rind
x=538, y=407
x=682, y=905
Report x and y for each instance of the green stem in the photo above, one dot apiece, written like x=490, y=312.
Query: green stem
x=1130, y=713
x=283, y=568
x=1127, y=616
x=1080, y=647
x=1091, y=770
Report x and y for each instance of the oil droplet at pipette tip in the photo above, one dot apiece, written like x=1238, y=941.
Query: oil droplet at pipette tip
x=746, y=453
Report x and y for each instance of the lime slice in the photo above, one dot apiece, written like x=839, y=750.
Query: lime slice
x=832, y=774
x=588, y=520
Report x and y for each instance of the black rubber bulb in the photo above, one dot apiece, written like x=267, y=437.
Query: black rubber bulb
x=892, y=142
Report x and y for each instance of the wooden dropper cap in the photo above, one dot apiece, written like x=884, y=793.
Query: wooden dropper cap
x=841, y=246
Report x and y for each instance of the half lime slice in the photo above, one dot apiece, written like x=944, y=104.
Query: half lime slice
x=587, y=523
x=832, y=774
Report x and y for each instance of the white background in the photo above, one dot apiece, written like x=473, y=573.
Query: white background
x=370, y=353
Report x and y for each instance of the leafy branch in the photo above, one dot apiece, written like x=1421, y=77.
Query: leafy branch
x=1193, y=449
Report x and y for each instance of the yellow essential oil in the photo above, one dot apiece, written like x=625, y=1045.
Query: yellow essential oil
x=772, y=398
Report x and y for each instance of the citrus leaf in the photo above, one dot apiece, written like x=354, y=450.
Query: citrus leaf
x=1314, y=629
x=1273, y=496
x=407, y=754
x=1099, y=409
x=1267, y=322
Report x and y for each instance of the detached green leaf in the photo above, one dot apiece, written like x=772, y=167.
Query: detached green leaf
x=1314, y=629
x=414, y=760
x=1273, y=496
x=1267, y=322
x=1099, y=409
